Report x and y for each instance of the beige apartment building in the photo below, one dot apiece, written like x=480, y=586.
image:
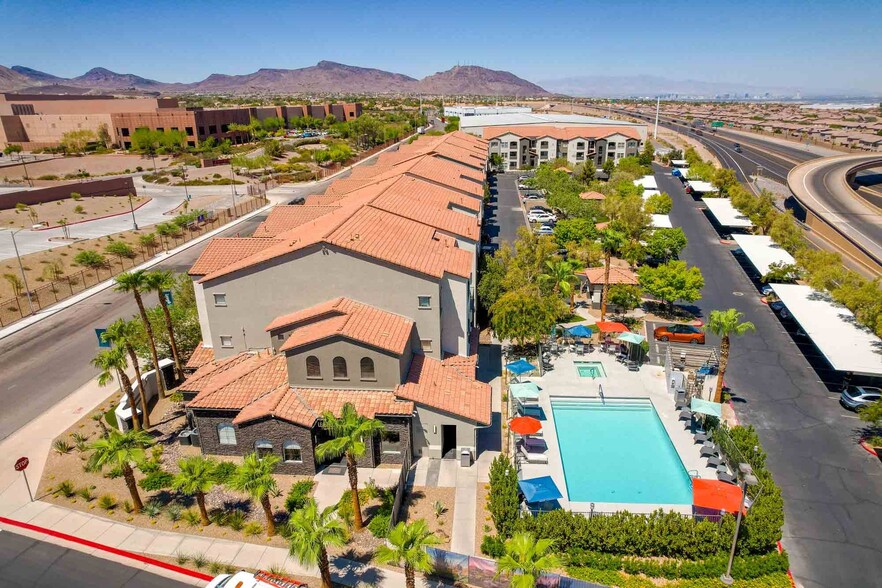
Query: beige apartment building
x=527, y=147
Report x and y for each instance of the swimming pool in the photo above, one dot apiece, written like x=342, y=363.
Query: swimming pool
x=618, y=451
x=590, y=369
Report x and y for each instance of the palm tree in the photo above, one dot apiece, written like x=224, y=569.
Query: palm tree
x=255, y=478
x=725, y=323
x=114, y=360
x=136, y=282
x=123, y=333
x=196, y=478
x=158, y=281
x=526, y=559
x=123, y=449
x=312, y=531
x=611, y=241
x=562, y=277
x=349, y=433
x=406, y=544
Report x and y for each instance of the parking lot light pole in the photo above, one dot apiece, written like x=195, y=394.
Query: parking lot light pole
x=21, y=268
x=747, y=479
x=132, y=207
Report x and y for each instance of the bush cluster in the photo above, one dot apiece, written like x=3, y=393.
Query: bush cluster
x=298, y=495
x=503, y=502
x=743, y=568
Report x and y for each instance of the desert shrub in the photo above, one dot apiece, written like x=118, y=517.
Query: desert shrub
x=86, y=494
x=65, y=488
x=182, y=558
x=493, y=546
x=219, y=517
x=114, y=472
x=127, y=506
x=152, y=509
x=215, y=567
x=156, y=480
x=191, y=517
x=253, y=529
x=107, y=502
x=379, y=525
x=298, y=495
x=199, y=560
x=90, y=259
x=173, y=512
x=236, y=520
x=80, y=441
x=61, y=446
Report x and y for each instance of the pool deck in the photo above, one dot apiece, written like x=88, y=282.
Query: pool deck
x=648, y=383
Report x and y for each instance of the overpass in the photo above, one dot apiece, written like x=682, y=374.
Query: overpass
x=835, y=211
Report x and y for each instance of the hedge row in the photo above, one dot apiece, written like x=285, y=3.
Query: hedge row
x=743, y=568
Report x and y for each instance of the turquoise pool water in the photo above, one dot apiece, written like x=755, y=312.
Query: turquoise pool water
x=590, y=369
x=618, y=451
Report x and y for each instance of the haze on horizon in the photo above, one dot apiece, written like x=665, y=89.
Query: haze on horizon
x=824, y=47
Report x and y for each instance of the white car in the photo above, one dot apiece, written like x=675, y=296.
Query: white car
x=544, y=230
x=541, y=217
x=522, y=186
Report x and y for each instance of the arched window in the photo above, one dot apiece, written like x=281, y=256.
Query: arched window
x=340, y=372
x=313, y=368
x=367, y=369
x=291, y=451
x=226, y=434
x=263, y=448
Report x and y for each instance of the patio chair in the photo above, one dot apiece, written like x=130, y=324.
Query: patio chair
x=714, y=461
x=685, y=415
x=700, y=437
x=633, y=366
x=531, y=457
x=580, y=349
x=709, y=450
x=725, y=476
x=534, y=445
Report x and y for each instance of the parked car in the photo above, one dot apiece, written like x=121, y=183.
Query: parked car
x=544, y=230
x=779, y=307
x=532, y=196
x=680, y=334
x=855, y=397
x=766, y=290
x=540, y=208
x=523, y=186
x=542, y=217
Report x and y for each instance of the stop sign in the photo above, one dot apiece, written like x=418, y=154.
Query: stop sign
x=21, y=464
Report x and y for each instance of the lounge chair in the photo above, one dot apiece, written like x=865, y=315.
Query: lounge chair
x=633, y=366
x=580, y=349
x=531, y=457
x=724, y=476
x=685, y=415
x=714, y=461
x=709, y=449
x=700, y=437
x=534, y=445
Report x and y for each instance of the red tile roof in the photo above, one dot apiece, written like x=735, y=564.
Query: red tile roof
x=617, y=275
x=286, y=217
x=562, y=133
x=201, y=356
x=445, y=386
x=245, y=381
x=304, y=406
x=223, y=251
x=592, y=196
x=347, y=318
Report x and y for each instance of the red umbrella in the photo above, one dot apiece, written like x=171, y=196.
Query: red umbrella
x=525, y=425
x=611, y=327
x=716, y=495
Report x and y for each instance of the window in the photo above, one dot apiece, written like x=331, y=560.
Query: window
x=367, y=369
x=610, y=146
x=189, y=131
x=226, y=341
x=291, y=452
x=226, y=434
x=220, y=299
x=175, y=129
x=543, y=155
x=212, y=129
x=263, y=448
x=191, y=143
x=125, y=131
x=160, y=129
x=580, y=145
x=426, y=345
x=580, y=156
x=201, y=130
x=494, y=144
x=513, y=145
x=424, y=301
x=225, y=128
x=390, y=442
x=340, y=372
x=313, y=368
x=631, y=144
x=513, y=155
x=544, y=144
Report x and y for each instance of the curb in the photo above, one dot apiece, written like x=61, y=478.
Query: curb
x=868, y=448
x=107, y=548
x=789, y=573
x=89, y=220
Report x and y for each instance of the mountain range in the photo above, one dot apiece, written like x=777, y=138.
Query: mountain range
x=324, y=77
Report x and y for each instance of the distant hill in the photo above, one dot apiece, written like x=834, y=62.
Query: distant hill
x=324, y=77
x=647, y=85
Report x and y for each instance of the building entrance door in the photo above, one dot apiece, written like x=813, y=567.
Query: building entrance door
x=448, y=441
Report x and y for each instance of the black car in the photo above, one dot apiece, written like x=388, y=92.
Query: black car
x=737, y=147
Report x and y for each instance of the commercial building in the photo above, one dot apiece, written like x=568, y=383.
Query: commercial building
x=363, y=294
x=528, y=146
x=480, y=125
x=37, y=121
x=464, y=111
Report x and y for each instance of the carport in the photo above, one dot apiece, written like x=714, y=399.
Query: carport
x=725, y=215
x=762, y=252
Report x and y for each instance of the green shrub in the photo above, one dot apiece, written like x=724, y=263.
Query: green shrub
x=65, y=488
x=191, y=517
x=253, y=529
x=199, y=560
x=379, y=525
x=107, y=502
x=174, y=512
x=80, y=441
x=127, y=506
x=493, y=546
x=156, y=480
x=219, y=517
x=62, y=447
x=503, y=503
x=114, y=472
x=743, y=568
x=86, y=494
x=236, y=520
x=152, y=509
x=93, y=260
x=223, y=472
x=215, y=567
x=298, y=495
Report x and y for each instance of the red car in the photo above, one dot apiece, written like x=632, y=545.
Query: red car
x=680, y=334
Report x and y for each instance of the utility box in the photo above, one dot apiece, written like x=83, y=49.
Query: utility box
x=465, y=458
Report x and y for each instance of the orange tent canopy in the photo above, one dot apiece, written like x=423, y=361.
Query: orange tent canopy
x=611, y=327
x=716, y=495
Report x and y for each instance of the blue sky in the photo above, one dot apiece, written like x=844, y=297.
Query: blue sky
x=811, y=45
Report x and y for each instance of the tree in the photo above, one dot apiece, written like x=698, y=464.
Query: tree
x=496, y=161
x=53, y=270
x=452, y=124
x=166, y=230
x=609, y=166
x=121, y=249
x=647, y=156
x=148, y=241
x=671, y=281
x=586, y=171
x=725, y=323
x=312, y=531
x=781, y=272
x=665, y=244
x=625, y=296
x=525, y=315
x=12, y=148
x=526, y=559
x=148, y=142
x=659, y=203
x=90, y=259
x=196, y=478
x=632, y=165
x=406, y=545
x=255, y=478
x=15, y=283
x=350, y=433
x=490, y=286
x=159, y=281
x=724, y=179
x=561, y=275
x=123, y=450
x=103, y=135
x=588, y=252
x=135, y=282
x=785, y=232
x=113, y=361
x=574, y=229
x=77, y=141
x=502, y=500
x=272, y=148
x=611, y=241
x=124, y=334
x=339, y=152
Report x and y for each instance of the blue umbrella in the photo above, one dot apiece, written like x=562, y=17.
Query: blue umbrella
x=580, y=331
x=539, y=489
x=521, y=366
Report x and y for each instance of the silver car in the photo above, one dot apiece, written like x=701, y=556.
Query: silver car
x=855, y=397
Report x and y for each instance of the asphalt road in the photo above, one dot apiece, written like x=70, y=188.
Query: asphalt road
x=504, y=214
x=831, y=487
x=28, y=563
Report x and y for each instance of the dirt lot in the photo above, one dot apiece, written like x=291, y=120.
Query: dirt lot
x=85, y=208
x=95, y=165
x=420, y=504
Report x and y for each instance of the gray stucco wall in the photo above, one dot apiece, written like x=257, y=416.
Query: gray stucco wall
x=456, y=314
x=293, y=282
x=387, y=366
x=427, y=432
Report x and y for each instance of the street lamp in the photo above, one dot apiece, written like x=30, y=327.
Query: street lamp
x=132, y=207
x=184, y=182
x=21, y=267
x=747, y=479
x=233, y=187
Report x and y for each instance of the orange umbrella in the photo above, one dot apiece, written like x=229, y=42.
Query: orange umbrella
x=525, y=425
x=611, y=327
x=716, y=495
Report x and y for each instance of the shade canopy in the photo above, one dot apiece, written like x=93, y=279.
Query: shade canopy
x=524, y=391
x=524, y=425
x=716, y=495
x=632, y=338
x=706, y=407
x=612, y=327
x=539, y=489
x=521, y=366
x=580, y=331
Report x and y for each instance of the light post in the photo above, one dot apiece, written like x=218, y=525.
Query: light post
x=21, y=268
x=233, y=187
x=747, y=479
x=184, y=178
x=25, y=168
x=132, y=207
